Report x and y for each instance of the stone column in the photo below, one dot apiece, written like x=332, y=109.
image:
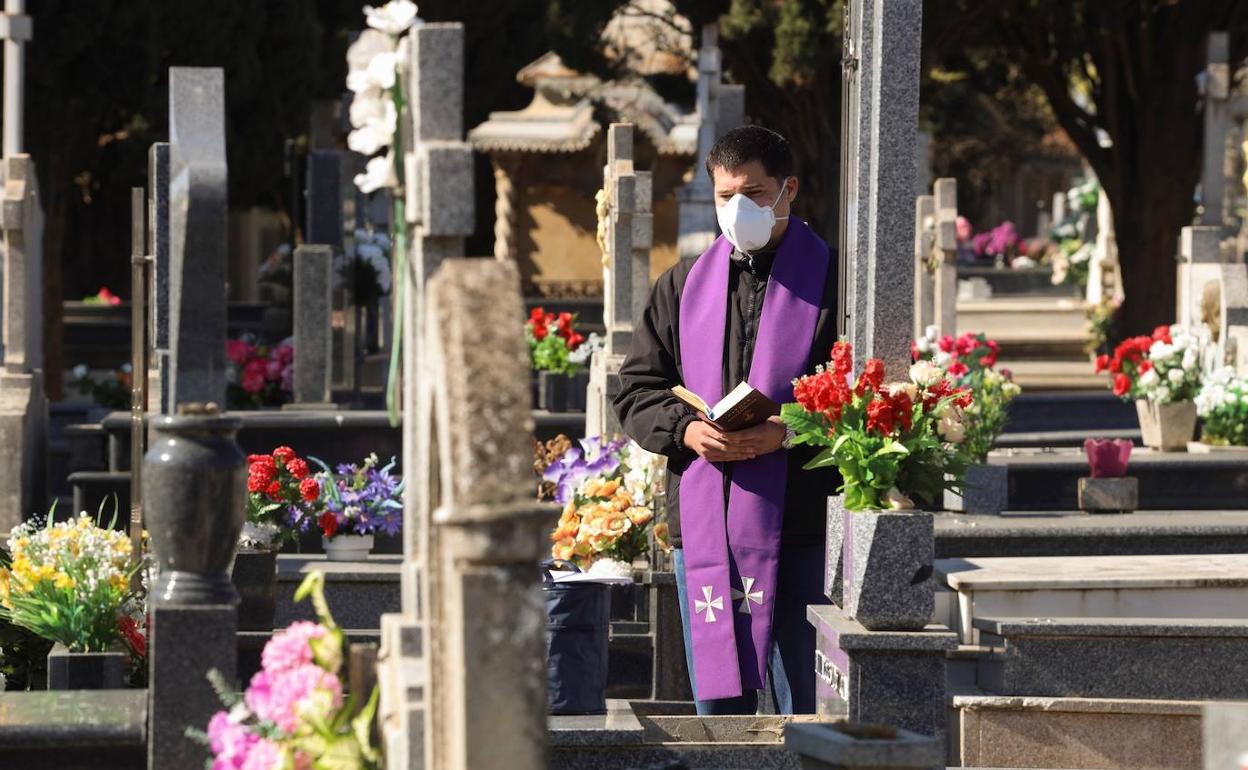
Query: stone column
x=924, y=280
x=1216, y=93
x=197, y=234
x=626, y=273
x=23, y=407
x=945, y=255
x=440, y=215
x=158, y=248
x=881, y=126
x=16, y=31
x=313, y=307
x=504, y=212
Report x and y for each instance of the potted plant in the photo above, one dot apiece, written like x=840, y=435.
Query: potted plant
x=294, y=712
x=970, y=362
x=71, y=582
x=1222, y=404
x=364, y=268
x=1162, y=374
x=560, y=355
x=258, y=375
x=357, y=500
x=279, y=490
x=897, y=448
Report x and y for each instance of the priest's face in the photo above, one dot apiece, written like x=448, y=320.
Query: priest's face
x=751, y=180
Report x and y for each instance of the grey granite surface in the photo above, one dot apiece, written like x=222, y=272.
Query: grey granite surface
x=689, y=757
x=1102, y=627
x=1226, y=734
x=1109, y=495
x=985, y=491
x=75, y=717
x=618, y=727
x=851, y=635
x=834, y=748
x=886, y=568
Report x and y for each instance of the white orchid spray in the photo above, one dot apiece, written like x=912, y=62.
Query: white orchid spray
x=375, y=69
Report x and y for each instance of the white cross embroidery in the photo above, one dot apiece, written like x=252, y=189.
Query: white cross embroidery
x=748, y=595
x=709, y=606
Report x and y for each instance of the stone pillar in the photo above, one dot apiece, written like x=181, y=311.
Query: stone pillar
x=1103, y=267
x=23, y=406
x=945, y=255
x=16, y=31
x=504, y=212
x=440, y=215
x=1216, y=93
x=1214, y=291
x=158, y=248
x=323, y=197
x=197, y=234
x=313, y=306
x=924, y=279
x=881, y=124
x=626, y=273
x=697, y=227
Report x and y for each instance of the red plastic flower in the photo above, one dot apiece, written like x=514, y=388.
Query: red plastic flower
x=133, y=636
x=946, y=344
x=842, y=358
x=880, y=417
x=872, y=377
x=574, y=340
x=328, y=523
x=274, y=491
x=1122, y=384
x=966, y=344
x=309, y=489
x=298, y=468
x=256, y=483
x=1102, y=363
x=957, y=369
x=1162, y=334
x=284, y=453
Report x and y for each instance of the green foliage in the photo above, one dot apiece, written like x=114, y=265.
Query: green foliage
x=23, y=657
x=988, y=413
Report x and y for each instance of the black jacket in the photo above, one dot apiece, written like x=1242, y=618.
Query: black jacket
x=656, y=419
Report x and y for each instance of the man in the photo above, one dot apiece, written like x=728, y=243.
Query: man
x=747, y=522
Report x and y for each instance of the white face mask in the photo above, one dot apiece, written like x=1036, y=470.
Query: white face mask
x=746, y=224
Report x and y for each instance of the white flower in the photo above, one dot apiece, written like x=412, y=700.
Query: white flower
x=1175, y=376
x=372, y=108
x=393, y=18
x=910, y=389
x=377, y=174
x=1190, y=359
x=898, y=501
x=1161, y=395
x=931, y=333
x=81, y=371
x=951, y=430
x=1160, y=351
x=942, y=359
x=257, y=535
x=382, y=70
x=611, y=568
x=366, y=46
x=923, y=344
x=926, y=374
x=1149, y=379
x=369, y=140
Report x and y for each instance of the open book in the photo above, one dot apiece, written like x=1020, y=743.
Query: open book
x=743, y=408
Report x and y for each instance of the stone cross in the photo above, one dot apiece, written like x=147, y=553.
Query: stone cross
x=1216, y=90
x=440, y=214
x=23, y=407
x=158, y=248
x=720, y=108
x=1103, y=267
x=626, y=272
x=16, y=31
x=880, y=126
x=313, y=307
x=1213, y=290
x=945, y=256
x=197, y=235
x=924, y=280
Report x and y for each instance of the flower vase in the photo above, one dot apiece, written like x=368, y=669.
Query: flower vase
x=985, y=491
x=563, y=392
x=347, y=547
x=254, y=575
x=86, y=670
x=1167, y=427
x=886, y=564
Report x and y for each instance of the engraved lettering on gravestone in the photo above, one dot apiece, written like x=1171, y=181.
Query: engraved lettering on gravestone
x=827, y=671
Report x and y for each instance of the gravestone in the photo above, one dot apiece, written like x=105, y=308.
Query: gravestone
x=1214, y=291
x=879, y=131
x=323, y=194
x=158, y=248
x=626, y=274
x=720, y=107
x=313, y=307
x=924, y=280
x=935, y=257
x=1103, y=267
x=197, y=235
x=440, y=215
x=23, y=406
x=1216, y=90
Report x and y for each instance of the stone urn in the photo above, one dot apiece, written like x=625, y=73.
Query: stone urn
x=347, y=547
x=1167, y=427
x=87, y=670
x=886, y=565
x=254, y=575
x=195, y=494
x=985, y=490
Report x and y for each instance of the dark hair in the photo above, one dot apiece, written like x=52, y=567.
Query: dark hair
x=746, y=143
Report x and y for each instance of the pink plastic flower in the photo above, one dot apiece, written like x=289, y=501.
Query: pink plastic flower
x=230, y=742
x=284, y=354
x=964, y=229
x=264, y=755
x=288, y=378
x=290, y=647
x=272, y=370
x=238, y=351
x=253, y=376
x=276, y=698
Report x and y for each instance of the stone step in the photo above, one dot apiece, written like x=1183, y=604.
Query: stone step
x=74, y=729
x=1168, y=586
x=1090, y=410
x=1161, y=658
x=1074, y=733
x=1041, y=479
x=1023, y=283
x=1048, y=373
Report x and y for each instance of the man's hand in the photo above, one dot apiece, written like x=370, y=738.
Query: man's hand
x=713, y=445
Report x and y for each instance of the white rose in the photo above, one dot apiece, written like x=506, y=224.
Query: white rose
x=80, y=371
x=1190, y=359
x=393, y=18
x=908, y=388
x=1162, y=395
x=369, y=139
x=1160, y=351
x=951, y=430
x=923, y=344
x=926, y=374
x=377, y=174
x=1149, y=379
x=931, y=333
x=942, y=358
x=1175, y=376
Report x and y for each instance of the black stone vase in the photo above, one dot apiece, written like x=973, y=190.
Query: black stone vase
x=254, y=576
x=195, y=497
x=562, y=393
x=87, y=670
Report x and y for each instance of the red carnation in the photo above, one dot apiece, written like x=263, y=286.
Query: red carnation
x=574, y=340
x=274, y=491
x=310, y=489
x=284, y=453
x=262, y=459
x=256, y=483
x=957, y=369
x=1162, y=334
x=298, y=468
x=966, y=344
x=946, y=344
x=329, y=523
x=842, y=358
x=1122, y=383
x=988, y=361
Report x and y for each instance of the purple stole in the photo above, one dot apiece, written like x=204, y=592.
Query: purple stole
x=731, y=557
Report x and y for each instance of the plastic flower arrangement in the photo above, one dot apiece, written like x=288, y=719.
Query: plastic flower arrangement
x=365, y=267
x=257, y=374
x=111, y=392
x=281, y=492
x=102, y=297
x=1001, y=241
x=293, y=713
x=68, y=582
x=1222, y=404
x=1164, y=368
x=969, y=361
x=555, y=346
x=896, y=445
x=607, y=488
x=1071, y=262
x=359, y=499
